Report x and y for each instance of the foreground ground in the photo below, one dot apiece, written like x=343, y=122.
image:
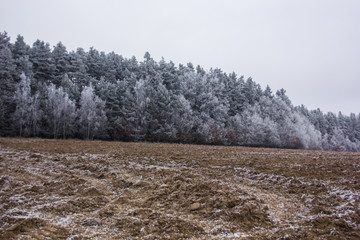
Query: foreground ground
x=66, y=189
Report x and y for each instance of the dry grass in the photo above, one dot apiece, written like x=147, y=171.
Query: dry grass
x=67, y=189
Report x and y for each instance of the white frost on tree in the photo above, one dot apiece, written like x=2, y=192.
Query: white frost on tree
x=183, y=119
x=27, y=113
x=36, y=114
x=141, y=102
x=61, y=111
x=92, y=115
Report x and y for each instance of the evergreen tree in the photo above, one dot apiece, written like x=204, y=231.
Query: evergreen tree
x=20, y=48
x=152, y=101
x=95, y=63
x=78, y=69
x=42, y=61
x=114, y=67
x=70, y=88
x=7, y=86
x=170, y=76
x=111, y=93
x=61, y=61
x=160, y=113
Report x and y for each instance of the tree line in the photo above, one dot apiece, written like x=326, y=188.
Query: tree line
x=50, y=92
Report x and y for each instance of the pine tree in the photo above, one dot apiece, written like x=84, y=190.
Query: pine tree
x=170, y=76
x=20, y=48
x=111, y=93
x=114, y=67
x=153, y=101
x=61, y=61
x=78, y=69
x=160, y=113
x=7, y=86
x=42, y=61
x=96, y=63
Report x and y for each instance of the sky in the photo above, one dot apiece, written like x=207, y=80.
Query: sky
x=311, y=48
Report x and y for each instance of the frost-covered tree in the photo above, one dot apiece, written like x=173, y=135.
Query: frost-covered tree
x=141, y=101
x=20, y=52
x=60, y=111
x=54, y=108
x=42, y=61
x=209, y=108
x=20, y=48
x=254, y=127
x=28, y=113
x=182, y=118
x=236, y=95
x=61, y=62
x=70, y=88
x=22, y=99
x=170, y=76
x=78, y=68
x=95, y=62
x=91, y=114
x=36, y=114
x=7, y=86
x=115, y=96
x=160, y=110
x=68, y=116
x=153, y=101
x=306, y=134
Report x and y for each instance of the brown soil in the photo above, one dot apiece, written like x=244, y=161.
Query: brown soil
x=67, y=189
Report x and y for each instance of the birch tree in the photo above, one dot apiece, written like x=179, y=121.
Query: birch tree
x=28, y=113
x=92, y=116
x=61, y=111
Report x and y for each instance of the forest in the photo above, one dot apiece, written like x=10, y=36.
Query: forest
x=50, y=92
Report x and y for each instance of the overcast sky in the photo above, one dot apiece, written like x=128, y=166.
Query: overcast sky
x=311, y=48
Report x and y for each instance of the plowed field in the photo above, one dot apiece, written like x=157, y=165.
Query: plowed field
x=72, y=189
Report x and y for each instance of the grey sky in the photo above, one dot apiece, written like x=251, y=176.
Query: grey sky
x=311, y=48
